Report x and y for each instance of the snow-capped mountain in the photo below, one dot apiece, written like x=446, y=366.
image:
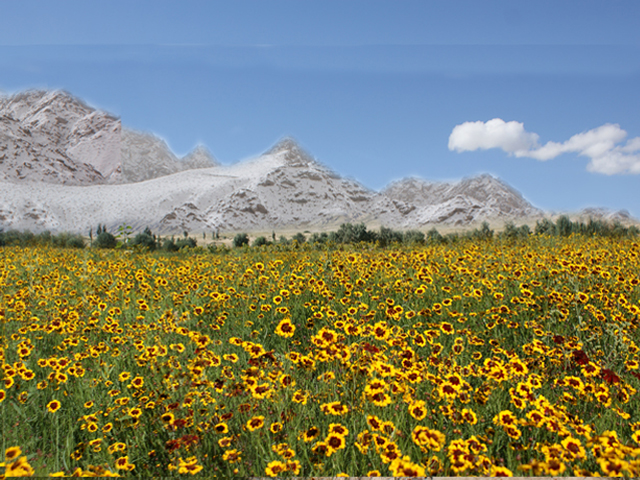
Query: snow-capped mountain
x=54, y=137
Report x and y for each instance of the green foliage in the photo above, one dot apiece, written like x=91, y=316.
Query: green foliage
x=123, y=234
x=46, y=238
x=513, y=233
x=483, y=233
x=105, y=240
x=433, y=237
x=545, y=227
x=319, y=238
x=349, y=233
x=169, y=245
x=387, y=237
x=260, y=241
x=564, y=226
x=413, y=237
x=186, y=243
x=299, y=238
x=593, y=228
x=144, y=240
x=282, y=240
x=68, y=240
x=240, y=240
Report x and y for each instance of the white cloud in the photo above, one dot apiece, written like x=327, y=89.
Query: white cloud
x=599, y=144
x=509, y=136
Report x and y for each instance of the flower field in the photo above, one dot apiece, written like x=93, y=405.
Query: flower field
x=486, y=358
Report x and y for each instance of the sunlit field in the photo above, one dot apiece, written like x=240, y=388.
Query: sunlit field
x=485, y=358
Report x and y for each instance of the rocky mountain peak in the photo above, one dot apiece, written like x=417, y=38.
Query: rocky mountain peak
x=55, y=137
x=459, y=202
x=35, y=105
x=294, y=154
x=199, y=157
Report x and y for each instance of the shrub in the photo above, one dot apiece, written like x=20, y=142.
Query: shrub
x=512, y=233
x=564, y=226
x=145, y=240
x=69, y=240
x=482, y=233
x=240, y=240
x=349, y=233
x=169, y=245
x=186, y=243
x=320, y=238
x=545, y=227
x=283, y=240
x=260, y=241
x=105, y=240
x=299, y=238
x=387, y=236
x=413, y=237
x=433, y=237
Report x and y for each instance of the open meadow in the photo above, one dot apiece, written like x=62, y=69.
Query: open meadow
x=470, y=358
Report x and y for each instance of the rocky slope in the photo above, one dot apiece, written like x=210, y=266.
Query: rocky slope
x=285, y=187
x=462, y=202
x=67, y=166
x=54, y=137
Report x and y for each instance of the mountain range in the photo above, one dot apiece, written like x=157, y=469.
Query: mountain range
x=65, y=166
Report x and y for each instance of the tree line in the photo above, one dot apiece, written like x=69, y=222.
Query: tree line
x=347, y=233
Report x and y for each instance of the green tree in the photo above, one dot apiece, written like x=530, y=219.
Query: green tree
x=260, y=241
x=105, y=240
x=299, y=238
x=240, y=240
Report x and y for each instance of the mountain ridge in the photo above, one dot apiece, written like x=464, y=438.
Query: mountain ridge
x=54, y=137
x=67, y=166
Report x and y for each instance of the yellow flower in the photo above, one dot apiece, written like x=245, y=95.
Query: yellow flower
x=497, y=471
x=19, y=468
x=275, y=468
x=469, y=416
x=418, y=409
x=425, y=437
x=11, y=453
x=53, y=406
x=285, y=328
x=255, y=423
x=334, y=442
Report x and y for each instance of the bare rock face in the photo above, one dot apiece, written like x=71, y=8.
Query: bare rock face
x=199, y=157
x=285, y=187
x=604, y=214
x=459, y=203
x=54, y=137
x=297, y=190
x=145, y=156
x=42, y=134
x=67, y=166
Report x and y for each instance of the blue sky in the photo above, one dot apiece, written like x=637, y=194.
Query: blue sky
x=376, y=90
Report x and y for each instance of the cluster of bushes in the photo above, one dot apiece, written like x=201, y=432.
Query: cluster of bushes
x=347, y=233
x=564, y=227
x=145, y=240
x=29, y=239
x=350, y=233
x=103, y=239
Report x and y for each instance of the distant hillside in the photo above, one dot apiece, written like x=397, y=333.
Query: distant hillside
x=54, y=137
x=65, y=166
x=462, y=202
